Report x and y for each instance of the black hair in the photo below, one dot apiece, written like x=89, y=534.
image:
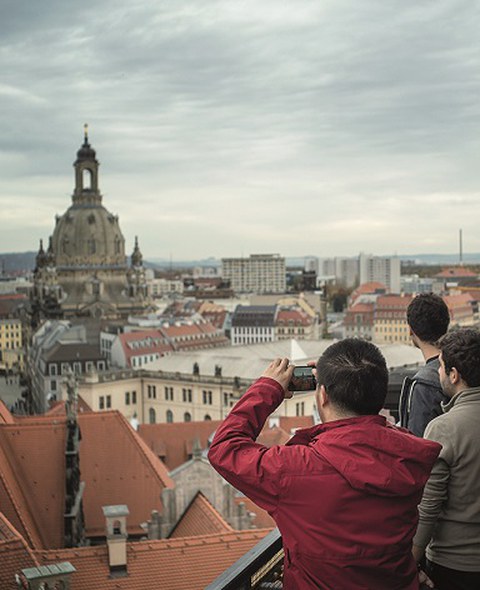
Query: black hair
x=428, y=317
x=460, y=348
x=355, y=376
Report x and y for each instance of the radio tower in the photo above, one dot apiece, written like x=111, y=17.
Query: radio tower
x=461, y=248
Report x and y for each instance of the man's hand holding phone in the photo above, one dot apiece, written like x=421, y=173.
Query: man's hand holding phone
x=281, y=371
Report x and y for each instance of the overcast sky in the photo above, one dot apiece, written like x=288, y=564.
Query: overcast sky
x=230, y=127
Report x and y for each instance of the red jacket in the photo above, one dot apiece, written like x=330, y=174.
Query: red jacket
x=344, y=494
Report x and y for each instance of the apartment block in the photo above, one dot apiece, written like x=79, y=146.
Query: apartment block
x=381, y=269
x=260, y=273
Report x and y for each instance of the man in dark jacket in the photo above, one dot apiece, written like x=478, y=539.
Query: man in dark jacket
x=421, y=397
x=344, y=494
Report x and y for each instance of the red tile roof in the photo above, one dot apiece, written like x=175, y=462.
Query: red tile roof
x=393, y=302
x=115, y=463
x=361, y=308
x=118, y=468
x=5, y=414
x=169, y=564
x=36, y=457
x=15, y=555
x=368, y=289
x=200, y=518
x=455, y=272
x=58, y=408
x=297, y=316
x=144, y=342
x=173, y=442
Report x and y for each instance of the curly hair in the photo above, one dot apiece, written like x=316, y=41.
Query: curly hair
x=428, y=317
x=460, y=348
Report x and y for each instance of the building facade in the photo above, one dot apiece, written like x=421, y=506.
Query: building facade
x=390, y=320
x=252, y=324
x=383, y=269
x=260, y=273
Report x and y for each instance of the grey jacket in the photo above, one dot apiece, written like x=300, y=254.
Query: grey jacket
x=421, y=398
x=450, y=509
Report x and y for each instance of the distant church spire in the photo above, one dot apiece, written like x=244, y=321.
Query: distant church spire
x=85, y=133
x=137, y=258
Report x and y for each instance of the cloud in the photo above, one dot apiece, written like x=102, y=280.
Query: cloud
x=231, y=126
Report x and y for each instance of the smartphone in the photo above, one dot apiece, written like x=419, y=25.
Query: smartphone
x=302, y=379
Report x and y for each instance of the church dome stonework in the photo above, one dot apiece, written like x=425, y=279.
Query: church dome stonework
x=87, y=249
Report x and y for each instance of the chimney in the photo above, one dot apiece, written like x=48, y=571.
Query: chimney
x=116, y=523
x=56, y=575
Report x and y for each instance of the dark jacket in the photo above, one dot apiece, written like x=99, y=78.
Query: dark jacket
x=344, y=494
x=421, y=398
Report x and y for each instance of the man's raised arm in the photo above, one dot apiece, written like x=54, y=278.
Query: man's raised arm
x=250, y=467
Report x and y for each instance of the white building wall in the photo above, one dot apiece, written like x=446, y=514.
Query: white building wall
x=382, y=269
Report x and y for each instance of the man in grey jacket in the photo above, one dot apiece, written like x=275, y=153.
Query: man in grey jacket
x=421, y=397
x=449, y=524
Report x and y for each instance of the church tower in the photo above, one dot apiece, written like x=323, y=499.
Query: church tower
x=86, y=259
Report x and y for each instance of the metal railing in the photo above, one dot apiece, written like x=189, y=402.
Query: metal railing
x=259, y=569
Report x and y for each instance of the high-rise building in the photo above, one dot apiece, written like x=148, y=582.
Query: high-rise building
x=345, y=270
x=382, y=269
x=260, y=273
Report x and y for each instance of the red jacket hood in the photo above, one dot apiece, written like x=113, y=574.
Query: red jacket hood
x=372, y=455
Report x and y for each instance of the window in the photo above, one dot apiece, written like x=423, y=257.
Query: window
x=101, y=366
x=134, y=397
x=169, y=416
x=53, y=385
x=187, y=417
x=52, y=370
x=89, y=366
x=226, y=398
x=101, y=402
x=207, y=397
x=77, y=368
x=300, y=409
x=207, y=417
x=65, y=368
x=127, y=398
x=109, y=401
x=169, y=393
x=152, y=417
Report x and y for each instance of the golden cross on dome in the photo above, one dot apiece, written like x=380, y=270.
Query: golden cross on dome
x=85, y=131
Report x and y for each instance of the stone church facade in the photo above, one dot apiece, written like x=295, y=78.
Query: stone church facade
x=84, y=270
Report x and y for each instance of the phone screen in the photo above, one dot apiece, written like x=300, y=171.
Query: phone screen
x=302, y=379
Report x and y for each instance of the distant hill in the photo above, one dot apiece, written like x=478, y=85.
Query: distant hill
x=15, y=262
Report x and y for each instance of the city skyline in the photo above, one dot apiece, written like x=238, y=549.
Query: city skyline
x=232, y=128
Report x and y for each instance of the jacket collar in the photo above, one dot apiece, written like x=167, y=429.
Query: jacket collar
x=461, y=397
x=305, y=436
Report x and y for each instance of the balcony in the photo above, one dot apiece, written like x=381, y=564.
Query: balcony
x=259, y=569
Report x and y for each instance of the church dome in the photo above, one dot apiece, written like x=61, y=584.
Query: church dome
x=89, y=235
x=86, y=152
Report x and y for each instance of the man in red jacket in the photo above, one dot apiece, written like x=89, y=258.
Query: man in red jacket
x=344, y=494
